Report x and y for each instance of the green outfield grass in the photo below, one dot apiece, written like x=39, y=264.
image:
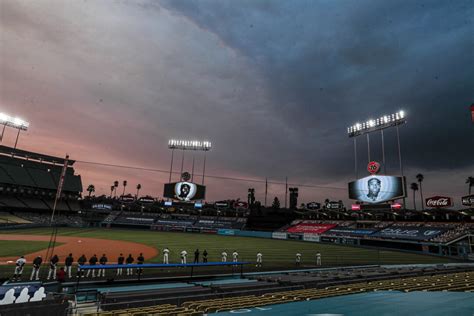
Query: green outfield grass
x=16, y=248
x=276, y=253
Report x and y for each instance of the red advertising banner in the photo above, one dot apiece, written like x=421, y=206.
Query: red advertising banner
x=310, y=228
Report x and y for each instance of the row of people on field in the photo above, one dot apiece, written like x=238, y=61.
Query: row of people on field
x=68, y=262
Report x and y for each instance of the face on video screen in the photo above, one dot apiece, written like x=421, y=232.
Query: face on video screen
x=185, y=191
x=376, y=189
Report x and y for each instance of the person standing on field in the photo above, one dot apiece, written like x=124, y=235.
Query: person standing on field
x=184, y=254
x=19, y=265
x=318, y=259
x=129, y=260
x=140, y=260
x=68, y=264
x=204, y=256
x=196, y=256
x=80, y=262
x=166, y=254
x=120, y=261
x=92, y=262
x=36, y=267
x=235, y=256
x=224, y=256
x=103, y=261
x=259, y=260
x=298, y=259
x=52, y=267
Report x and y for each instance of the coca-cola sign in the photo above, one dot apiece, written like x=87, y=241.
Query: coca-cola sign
x=439, y=201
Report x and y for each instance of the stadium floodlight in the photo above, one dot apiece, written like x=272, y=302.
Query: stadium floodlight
x=380, y=123
x=14, y=122
x=189, y=144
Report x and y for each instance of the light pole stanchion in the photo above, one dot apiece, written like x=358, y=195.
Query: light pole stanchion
x=204, y=168
x=383, y=153
x=182, y=163
x=368, y=146
x=17, y=136
x=355, y=157
x=400, y=160
x=171, y=168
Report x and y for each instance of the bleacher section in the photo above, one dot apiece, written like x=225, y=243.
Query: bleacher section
x=166, y=222
x=284, y=288
x=29, y=181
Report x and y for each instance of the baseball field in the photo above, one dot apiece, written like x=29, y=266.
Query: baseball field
x=277, y=254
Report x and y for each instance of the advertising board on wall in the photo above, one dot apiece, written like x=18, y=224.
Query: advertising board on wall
x=377, y=189
x=414, y=233
x=311, y=228
x=468, y=200
x=439, y=201
x=311, y=237
x=279, y=235
x=341, y=231
x=184, y=191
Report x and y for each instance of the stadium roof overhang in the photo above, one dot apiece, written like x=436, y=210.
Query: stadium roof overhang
x=5, y=150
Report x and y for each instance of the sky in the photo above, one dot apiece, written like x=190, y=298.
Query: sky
x=273, y=84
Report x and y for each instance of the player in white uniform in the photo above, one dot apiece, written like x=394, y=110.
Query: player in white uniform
x=298, y=259
x=224, y=256
x=166, y=254
x=259, y=259
x=20, y=264
x=184, y=253
x=235, y=256
x=318, y=259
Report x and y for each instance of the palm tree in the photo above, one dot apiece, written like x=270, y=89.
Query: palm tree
x=139, y=186
x=124, y=185
x=470, y=183
x=90, y=189
x=115, y=187
x=420, y=179
x=112, y=190
x=414, y=187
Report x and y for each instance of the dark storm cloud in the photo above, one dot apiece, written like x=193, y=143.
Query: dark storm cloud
x=330, y=64
x=273, y=84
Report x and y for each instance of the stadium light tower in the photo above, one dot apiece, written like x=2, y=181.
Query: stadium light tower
x=373, y=125
x=14, y=122
x=195, y=145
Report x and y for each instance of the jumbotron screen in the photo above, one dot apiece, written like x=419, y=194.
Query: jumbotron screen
x=185, y=191
x=377, y=189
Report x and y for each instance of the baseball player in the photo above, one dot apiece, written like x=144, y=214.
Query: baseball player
x=196, y=256
x=318, y=259
x=140, y=260
x=298, y=259
x=68, y=264
x=120, y=261
x=103, y=261
x=184, y=254
x=259, y=260
x=204, y=256
x=80, y=262
x=224, y=256
x=36, y=267
x=235, y=256
x=166, y=254
x=52, y=267
x=20, y=264
x=129, y=260
x=92, y=262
